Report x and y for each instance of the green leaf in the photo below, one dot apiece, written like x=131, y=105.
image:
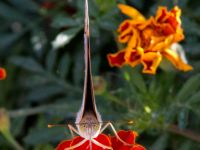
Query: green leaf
x=27, y=5
x=78, y=68
x=11, y=14
x=108, y=21
x=27, y=63
x=106, y=5
x=45, y=135
x=7, y=40
x=187, y=145
x=64, y=21
x=44, y=92
x=64, y=65
x=160, y=143
x=188, y=88
x=194, y=98
x=138, y=81
x=44, y=147
x=51, y=60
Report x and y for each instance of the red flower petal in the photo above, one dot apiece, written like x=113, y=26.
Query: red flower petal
x=2, y=73
x=102, y=138
x=126, y=136
x=138, y=147
x=64, y=144
x=117, y=59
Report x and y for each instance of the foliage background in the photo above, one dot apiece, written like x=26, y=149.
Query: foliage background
x=45, y=74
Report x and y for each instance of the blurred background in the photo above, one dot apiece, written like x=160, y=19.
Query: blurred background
x=41, y=47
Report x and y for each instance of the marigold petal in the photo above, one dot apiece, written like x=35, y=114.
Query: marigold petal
x=127, y=136
x=178, y=36
x=161, y=14
x=174, y=58
x=151, y=61
x=103, y=139
x=124, y=26
x=125, y=36
x=135, y=40
x=63, y=144
x=131, y=12
x=117, y=59
x=162, y=45
x=138, y=147
x=177, y=13
x=133, y=57
x=3, y=74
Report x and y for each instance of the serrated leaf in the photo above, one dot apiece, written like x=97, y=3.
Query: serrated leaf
x=44, y=92
x=51, y=60
x=78, y=68
x=44, y=135
x=64, y=65
x=27, y=63
x=194, y=98
x=138, y=81
x=108, y=21
x=64, y=21
x=188, y=88
x=8, y=39
x=160, y=143
x=11, y=14
x=28, y=5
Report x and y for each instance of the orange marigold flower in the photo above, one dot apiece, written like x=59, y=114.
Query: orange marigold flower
x=117, y=59
x=148, y=40
x=133, y=57
x=131, y=12
x=127, y=136
x=3, y=73
x=151, y=61
x=176, y=60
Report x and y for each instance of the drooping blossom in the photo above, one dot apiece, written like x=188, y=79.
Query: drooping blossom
x=148, y=41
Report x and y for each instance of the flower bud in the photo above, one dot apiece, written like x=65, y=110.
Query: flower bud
x=4, y=120
x=99, y=85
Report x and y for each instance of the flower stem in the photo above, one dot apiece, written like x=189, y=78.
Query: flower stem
x=12, y=141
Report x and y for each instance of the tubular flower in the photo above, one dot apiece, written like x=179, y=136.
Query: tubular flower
x=2, y=73
x=127, y=136
x=149, y=40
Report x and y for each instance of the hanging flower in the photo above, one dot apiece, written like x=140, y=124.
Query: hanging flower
x=2, y=74
x=127, y=136
x=149, y=40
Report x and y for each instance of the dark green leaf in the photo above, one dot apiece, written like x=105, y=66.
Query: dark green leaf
x=64, y=65
x=45, y=92
x=27, y=63
x=188, y=88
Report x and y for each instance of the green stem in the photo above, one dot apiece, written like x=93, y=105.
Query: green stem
x=12, y=141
